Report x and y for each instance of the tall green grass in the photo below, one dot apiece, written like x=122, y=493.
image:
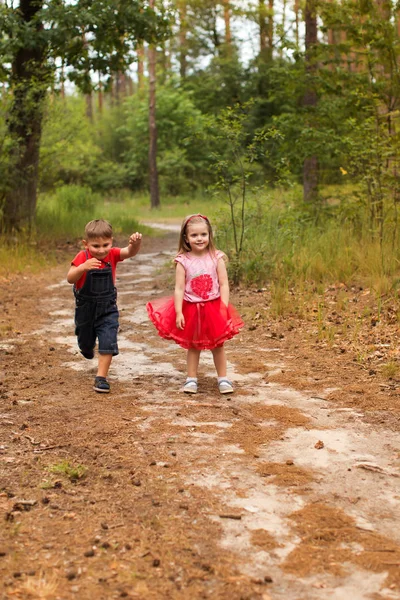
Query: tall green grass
x=62, y=214
x=66, y=211
x=286, y=244
x=21, y=256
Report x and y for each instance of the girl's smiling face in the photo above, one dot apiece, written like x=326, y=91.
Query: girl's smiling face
x=198, y=237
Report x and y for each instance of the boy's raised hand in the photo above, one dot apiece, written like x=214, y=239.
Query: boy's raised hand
x=133, y=246
x=135, y=239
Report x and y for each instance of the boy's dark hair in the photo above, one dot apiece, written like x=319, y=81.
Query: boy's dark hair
x=98, y=228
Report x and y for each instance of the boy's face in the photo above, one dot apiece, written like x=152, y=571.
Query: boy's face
x=98, y=247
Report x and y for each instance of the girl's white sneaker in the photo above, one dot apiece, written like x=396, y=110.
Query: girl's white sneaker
x=190, y=387
x=225, y=386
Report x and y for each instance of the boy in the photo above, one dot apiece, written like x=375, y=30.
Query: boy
x=92, y=273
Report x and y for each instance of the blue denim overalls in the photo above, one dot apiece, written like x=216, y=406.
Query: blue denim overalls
x=96, y=313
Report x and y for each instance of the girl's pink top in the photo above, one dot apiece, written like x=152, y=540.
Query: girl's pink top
x=201, y=276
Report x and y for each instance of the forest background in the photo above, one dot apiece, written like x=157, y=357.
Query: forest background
x=278, y=118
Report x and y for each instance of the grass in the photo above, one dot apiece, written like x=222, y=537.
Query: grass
x=288, y=246
x=46, y=485
x=390, y=370
x=171, y=209
x=22, y=256
x=72, y=472
x=62, y=215
x=40, y=586
x=284, y=244
x=66, y=211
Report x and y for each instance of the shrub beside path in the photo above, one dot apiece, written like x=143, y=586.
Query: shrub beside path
x=289, y=489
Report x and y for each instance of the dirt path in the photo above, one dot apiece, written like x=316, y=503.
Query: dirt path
x=145, y=493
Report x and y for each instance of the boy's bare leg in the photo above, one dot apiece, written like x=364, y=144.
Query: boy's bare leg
x=193, y=357
x=104, y=364
x=219, y=357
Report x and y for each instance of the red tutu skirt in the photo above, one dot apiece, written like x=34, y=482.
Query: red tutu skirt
x=207, y=324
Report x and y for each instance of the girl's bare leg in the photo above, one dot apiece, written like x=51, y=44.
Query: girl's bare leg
x=104, y=364
x=193, y=357
x=219, y=357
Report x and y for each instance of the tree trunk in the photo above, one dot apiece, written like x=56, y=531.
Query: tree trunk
x=140, y=66
x=123, y=84
x=270, y=29
x=262, y=25
x=296, y=17
x=62, y=79
x=89, y=106
x=100, y=96
x=284, y=2
x=182, y=39
x=310, y=166
x=88, y=84
x=165, y=62
x=215, y=36
x=227, y=20
x=266, y=28
x=117, y=88
x=130, y=85
x=398, y=22
x=111, y=87
x=310, y=179
x=153, y=173
x=29, y=83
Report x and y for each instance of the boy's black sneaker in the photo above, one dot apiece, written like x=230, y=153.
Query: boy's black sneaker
x=88, y=355
x=101, y=385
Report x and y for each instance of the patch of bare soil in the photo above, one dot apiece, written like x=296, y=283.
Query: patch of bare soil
x=288, y=489
x=331, y=541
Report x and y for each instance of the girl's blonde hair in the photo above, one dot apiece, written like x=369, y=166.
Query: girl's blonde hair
x=183, y=245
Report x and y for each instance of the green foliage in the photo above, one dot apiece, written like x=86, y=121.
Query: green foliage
x=23, y=255
x=233, y=169
x=240, y=128
x=74, y=198
x=5, y=148
x=285, y=244
x=220, y=85
x=72, y=472
x=183, y=158
x=112, y=153
x=68, y=152
x=89, y=36
x=85, y=37
x=65, y=212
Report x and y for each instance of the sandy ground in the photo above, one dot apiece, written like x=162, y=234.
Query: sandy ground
x=288, y=489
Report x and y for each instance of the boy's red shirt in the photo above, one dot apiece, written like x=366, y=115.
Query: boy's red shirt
x=113, y=257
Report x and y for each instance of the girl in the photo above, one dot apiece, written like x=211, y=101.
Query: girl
x=198, y=316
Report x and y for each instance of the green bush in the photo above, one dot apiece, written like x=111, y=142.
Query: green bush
x=68, y=151
x=287, y=243
x=183, y=153
x=65, y=212
x=76, y=198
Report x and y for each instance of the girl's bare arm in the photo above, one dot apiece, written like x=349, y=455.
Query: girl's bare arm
x=180, y=278
x=223, y=281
